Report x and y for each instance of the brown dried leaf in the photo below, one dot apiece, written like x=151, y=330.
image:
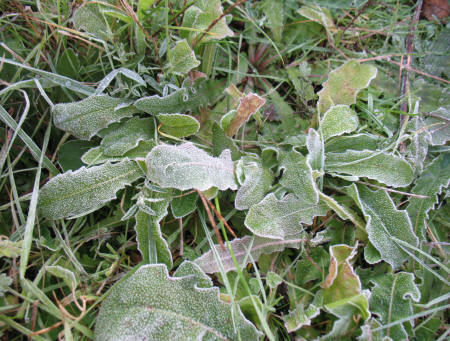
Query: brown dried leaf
x=248, y=105
x=433, y=9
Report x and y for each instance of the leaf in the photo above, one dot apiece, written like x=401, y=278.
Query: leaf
x=434, y=179
x=282, y=219
x=354, y=142
x=436, y=60
x=381, y=166
x=85, y=190
x=439, y=126
x=188, y=167
x=70, y=153
x=315, y=146
x=241, y=247
x=65, y=274
x=255, y=182
x=90, y=19
x=248, y=105
x=126, y=136
x=10, y=248
x=200, y=17
x=391, y=301
x=306, y=271
x=320, y=15
x=184, y=204
x=85, y=118
x=417, y=150
x=95, y=155
x=344, y=83
x=154, y=306
x=273, y=280
x=182, y=58
x=188, y=268
x=273, y=10
x=338, y=120
x=300, y=317
x=384, y=221
x=5, y=282
x=178, y=125
x=221, y=142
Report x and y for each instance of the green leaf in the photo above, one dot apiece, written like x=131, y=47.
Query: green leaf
x=391, y=301
x=338, y=120
x=354, y=142
x=188, y=268
x=434, y=179
x=183, y=204
x=255, y=181
x=273, y=280
x=300, y=317
x=96, y=156
x=282, y=219
x=85, y=190
x=178, y=125
x=381, y=166
x=182, y=58
x=5, y=282
x=320, y=15
x=384, y=221
x=439, y=126
x=70, y=153
x=126, y=136
x=152, y=305
x=306, y=271
x=344, y=83
x=85, y=118
x=417, y=150
x=188, y=167
x=90, y=19
x=221, y=142
x=65, y=274
x=243, y=248
x=273, y=10
x=316, y=149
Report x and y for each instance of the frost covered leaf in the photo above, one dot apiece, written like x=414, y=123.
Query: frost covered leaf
x=338, y=120
x=154, y=306
x=188, y=167
x=273, y=10
x=282, y=219
x=188, y=268
x=10, y=249
x=255, y=181
x=200, y=17
x=178, y=125
x=74, y=194
x=315, y=146
x=85, y=118
x=90, y=19
x=122, y=138
x=384, y=221
x=306, y=271
x=381, y=166
x=248, y=105
x=297, y=176
x=96, y=156
x=320, y=15
x=391, y=301
x=182, y=58
x=183, y=204
x=431, y=182
x=417, y=150
x=221, y=142
x=65, y=274
x=355, y=142
x=439, y=126
x=344, y=83
x=241, y=247
x=300, y=317
x=5, y=282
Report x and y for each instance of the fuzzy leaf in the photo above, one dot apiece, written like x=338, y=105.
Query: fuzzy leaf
x=74, y=194
x=273, y=10
x=96, y=156
x=248, y=105
x=65, y=274
x=188, y=268
x=122, y=138
x=391, y=301
x=417, y=150
x=282, y=219
x=90, y=19
x=85, y=118
x=240, y=247
x=320, y=15
x=344, y=83
x=5, y=282
x=439, y=123
x=316, y=149
x=182, y=58
x=178, y=125
x=431, y=183
x=154, y=306
x=182, y=205
x=354, y=142
x=221, y=142
x=300, y=317
x=9, y=248
x=381, y=166
x=384, y=221
x=338, y=120
x=255, y=182
x=186, y=167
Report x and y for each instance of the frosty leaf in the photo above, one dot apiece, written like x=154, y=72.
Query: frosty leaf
x=221, y=142
x=96, y=156
x=338, y=120
x=240, y=247
x=315, y=146
x=273, y=10
x=297, y=176
x=248, y=105
x=188, y=167
x=344, y=83
x=183, y=204
x=65, y=274
x=381, y=166
x=255, y=182
x=320, y=15
x=103, y=84
x=154, y=306
x=200, y=17
x=306, y=271
x=384, y=221
x=431, y=182
x=85, y=118
x=5, y=282
x=90, y=19
x=368, y=334
x=182, y=58
x=74, y=194
x=300, y=317
x=355, y=142
x=391, y=301
x=126, y=136
x=282, y=219
x=439, y=126
x=188, y=268
x=9, y=248
x=178, y=125
x=417, y=150
x=273, y=280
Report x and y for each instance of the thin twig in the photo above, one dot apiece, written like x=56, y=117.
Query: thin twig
x=211, y=219
x=222, y=219
x=361, y=10
x=418, y=196
x=433, y=238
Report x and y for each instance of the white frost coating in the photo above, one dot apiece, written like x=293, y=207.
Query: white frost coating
x=208, y=264
x=85, y=118
x=95, y=156
x=438, y=122
x=151, y=305
x=381, y=166
x=300, y=317
x=338, y=120
x=316, y=150
x=74, y=194
x=186, y=167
